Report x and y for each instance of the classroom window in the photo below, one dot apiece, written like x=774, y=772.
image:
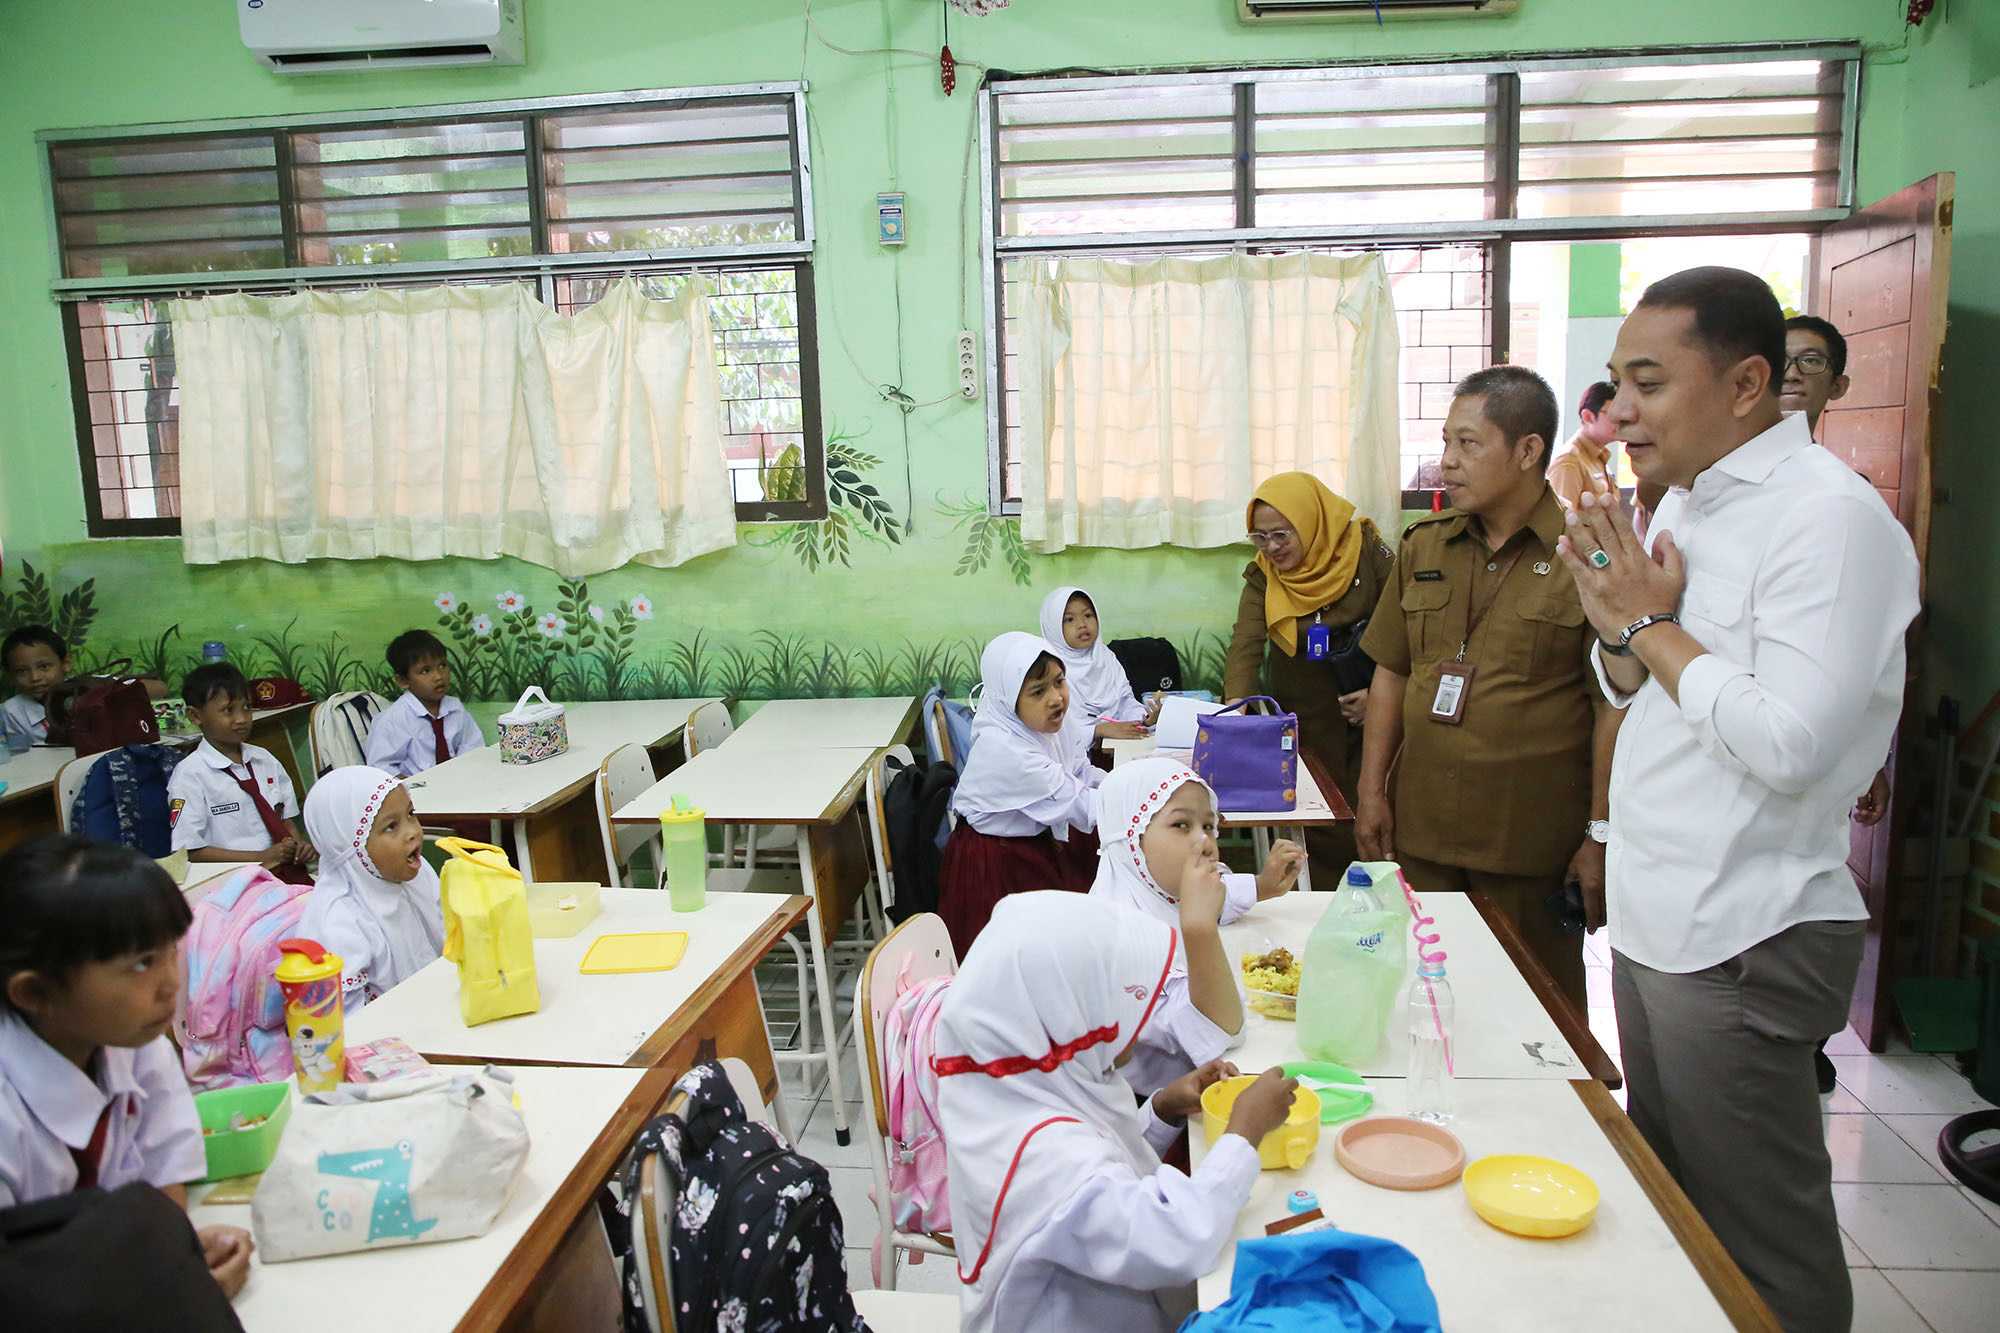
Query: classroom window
x=564, y=193
x=1445, y=166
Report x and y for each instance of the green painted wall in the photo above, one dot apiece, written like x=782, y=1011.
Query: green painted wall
x=898, y=609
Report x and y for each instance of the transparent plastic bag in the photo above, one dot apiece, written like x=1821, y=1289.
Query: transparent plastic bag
x=1354, y=967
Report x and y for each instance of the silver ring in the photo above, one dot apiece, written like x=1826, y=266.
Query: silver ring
x=1600, y=560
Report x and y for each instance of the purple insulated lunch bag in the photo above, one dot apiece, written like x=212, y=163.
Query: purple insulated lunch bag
x=1251, y=759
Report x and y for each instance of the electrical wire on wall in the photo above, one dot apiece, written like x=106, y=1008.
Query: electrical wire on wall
x=893, y=391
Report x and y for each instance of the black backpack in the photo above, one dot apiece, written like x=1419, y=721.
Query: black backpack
x=54, y=1254
x=1147, y=662
x=737, y=1186
x=915, y=806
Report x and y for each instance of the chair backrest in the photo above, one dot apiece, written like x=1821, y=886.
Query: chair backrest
x=709, y=727
x=339, y=729
x=925, y=945
x=937, y=734
x=878, y=819
x=624, y=775
x=69, y=784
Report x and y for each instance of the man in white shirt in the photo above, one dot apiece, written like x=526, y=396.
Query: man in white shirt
x=1759, y=650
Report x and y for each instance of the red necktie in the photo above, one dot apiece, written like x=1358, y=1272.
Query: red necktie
x=88, y=1156
x=443, y=746
x=291, y=872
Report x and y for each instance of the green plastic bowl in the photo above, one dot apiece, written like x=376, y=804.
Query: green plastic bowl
x=242, y=1152
x=1334, y=1107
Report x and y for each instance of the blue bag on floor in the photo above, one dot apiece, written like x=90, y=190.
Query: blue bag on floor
x=1327, y=1281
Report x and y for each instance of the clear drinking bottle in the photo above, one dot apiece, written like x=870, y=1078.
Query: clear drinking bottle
x=1430, y=1072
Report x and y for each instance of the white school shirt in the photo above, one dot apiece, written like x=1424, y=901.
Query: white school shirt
x=1124, y=1250
x=48, y=1106
x=22, y=714
x=1180, y=1038
x=402, y=742
x=1729, y=810
x=208, y=809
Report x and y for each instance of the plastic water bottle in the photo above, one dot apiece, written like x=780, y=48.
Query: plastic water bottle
x=1430, y=1072
x=215, y=650
x=684, y=838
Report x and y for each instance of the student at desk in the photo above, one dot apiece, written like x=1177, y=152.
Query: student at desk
x=1064, y=1216
x=37, y=660
x=426, y=725
x=91, y=1090
x=376, y=902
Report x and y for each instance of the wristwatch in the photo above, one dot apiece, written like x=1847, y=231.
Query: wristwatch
x=1625, y=635
x=1599, y=830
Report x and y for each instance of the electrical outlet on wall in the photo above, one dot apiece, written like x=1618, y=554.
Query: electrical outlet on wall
x=968, y=364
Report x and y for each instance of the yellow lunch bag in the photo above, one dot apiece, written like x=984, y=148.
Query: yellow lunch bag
x=487, y=932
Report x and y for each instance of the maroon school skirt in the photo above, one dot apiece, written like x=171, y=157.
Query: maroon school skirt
x=982, y=868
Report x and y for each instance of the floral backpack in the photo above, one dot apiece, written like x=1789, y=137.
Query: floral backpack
x=756, y=1242
x=231, y=1024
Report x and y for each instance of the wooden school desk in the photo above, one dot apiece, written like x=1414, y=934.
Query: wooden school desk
x=549, y=806
x=1320, y=802
x=706, y=1006
x=28, y=806
x=812, y=790
x=829, y=724
x=542, y=1265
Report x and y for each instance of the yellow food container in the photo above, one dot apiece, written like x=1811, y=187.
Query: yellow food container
x=1286, y=1148
x=1531, y=1196
x=309, y=976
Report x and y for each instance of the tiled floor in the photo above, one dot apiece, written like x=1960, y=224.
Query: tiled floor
x=1923, y=1251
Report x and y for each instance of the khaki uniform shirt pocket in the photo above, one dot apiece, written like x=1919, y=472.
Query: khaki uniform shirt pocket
x=1424, y=619
x=1553, y=640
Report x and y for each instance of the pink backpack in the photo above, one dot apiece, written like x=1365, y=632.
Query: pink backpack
x=231, y=1026
x=918, y=1201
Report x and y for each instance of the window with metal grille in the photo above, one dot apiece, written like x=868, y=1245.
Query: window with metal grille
x=1445, y=164
x=562, y=192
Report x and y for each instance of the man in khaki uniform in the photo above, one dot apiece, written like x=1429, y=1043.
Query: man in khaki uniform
x=1483, y=702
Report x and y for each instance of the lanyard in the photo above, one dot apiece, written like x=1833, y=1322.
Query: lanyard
x=1473, y=615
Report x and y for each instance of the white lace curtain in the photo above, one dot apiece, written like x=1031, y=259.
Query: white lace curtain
x=440, y=421
x=1156, y=395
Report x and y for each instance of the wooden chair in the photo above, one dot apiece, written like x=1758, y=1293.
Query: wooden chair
x=924, y=945
x=880, y=892
x=624, y=775
x=337, y=732
x=653, y=1210
x=937, y=735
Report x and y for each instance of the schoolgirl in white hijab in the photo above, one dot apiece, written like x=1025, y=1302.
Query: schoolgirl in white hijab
x=1064, y=1216
x=375, y=902
x=1026, y=801
x=1100, y=693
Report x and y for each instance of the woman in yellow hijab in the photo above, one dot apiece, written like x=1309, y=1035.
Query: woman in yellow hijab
x=1306, y=597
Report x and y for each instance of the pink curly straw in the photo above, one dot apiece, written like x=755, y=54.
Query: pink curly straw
x=1428, y=955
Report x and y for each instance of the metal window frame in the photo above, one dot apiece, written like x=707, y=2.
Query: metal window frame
x=541, y=266
x=1499, y=231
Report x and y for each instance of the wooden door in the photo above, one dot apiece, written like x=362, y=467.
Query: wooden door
x=1881, y=278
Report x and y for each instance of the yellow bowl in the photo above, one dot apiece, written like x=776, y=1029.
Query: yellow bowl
x=1289, y=1146
x=1531, y=1196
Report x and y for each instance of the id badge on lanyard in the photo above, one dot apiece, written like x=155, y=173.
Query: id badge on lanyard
x=1319, y=641
x=1454, y=687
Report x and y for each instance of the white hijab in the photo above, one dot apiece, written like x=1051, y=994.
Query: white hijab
x=1127, y=803
x=1097, y=683
x=390, y=929
x=1012, y=765
x=1031, y=1104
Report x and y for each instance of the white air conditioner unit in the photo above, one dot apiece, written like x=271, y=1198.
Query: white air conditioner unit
x=1335, y=11
x=327, y=36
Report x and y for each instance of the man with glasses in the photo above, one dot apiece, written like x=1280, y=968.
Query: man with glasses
x=1815, y=368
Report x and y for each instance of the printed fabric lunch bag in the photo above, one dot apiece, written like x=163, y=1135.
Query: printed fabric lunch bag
x=1251, y=759
x=531, y=732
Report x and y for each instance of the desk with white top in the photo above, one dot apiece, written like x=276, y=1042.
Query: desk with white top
x=706, y=1006
x=549, y=805
x=814, y=790
x=829, y=724
x=28, y=807
x=542, y=1265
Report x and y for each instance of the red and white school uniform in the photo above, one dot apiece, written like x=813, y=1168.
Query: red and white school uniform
x=1063, y=1215
x=1026, y=802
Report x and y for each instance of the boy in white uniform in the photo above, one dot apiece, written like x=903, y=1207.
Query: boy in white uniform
x=231, y=800
x=426, y=726
x=37, y=660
